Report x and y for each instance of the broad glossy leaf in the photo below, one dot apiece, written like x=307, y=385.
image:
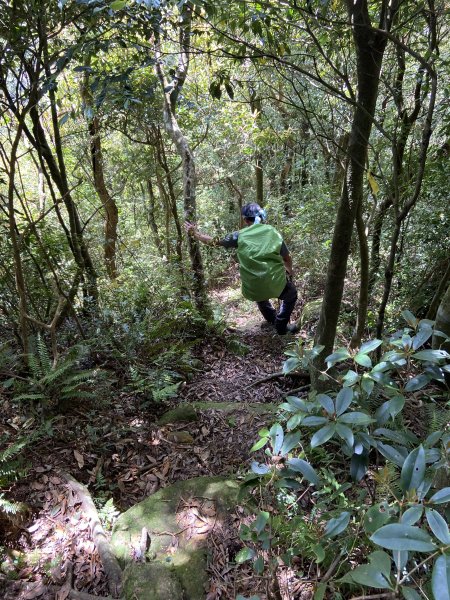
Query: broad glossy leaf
x=290, y=365
x=343, y=400
x=345, y=433
x=440, y=497
x=291, y=440
x=382, y=413
x=400, y=437
x=259, y=444
x=421, y=337
x=432, y=439
x=438, y=525
x=370, y=575
x=370, y=346
x=303, y=467
x=261, y=521
x=431, y=355
x=412, y=515
x=340, y=354
x=323, y=435
x=395, y=455
x=376, y=516
x=319, y=594
x=359, y=465
x=413, y=470
x=276, y=437
x=259, y=468
x=396, y=405
x=338, y=525
x=297, y=403
x=350, y=378
x=410, y=318
x=410, y=593
x=396, y=536
x=313, y=421
x=440, y=579
x=294, y=421
x=367, y=384
x=417, y=383
x=355, y=418
x=363, y=360
x=326, y=402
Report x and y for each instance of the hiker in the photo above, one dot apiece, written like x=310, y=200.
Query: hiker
x=265, y=265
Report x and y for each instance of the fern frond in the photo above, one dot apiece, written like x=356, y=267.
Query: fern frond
x=43, y=355
x=12, y=450
x=437, y=418
x=57, y=373
x=10, y=508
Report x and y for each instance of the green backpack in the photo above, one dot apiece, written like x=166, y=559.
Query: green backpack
x=263, y=274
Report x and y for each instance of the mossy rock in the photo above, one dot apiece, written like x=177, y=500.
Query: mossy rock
x=310, y=312
x=151, y=581
x=180, y=414
x=178, y=540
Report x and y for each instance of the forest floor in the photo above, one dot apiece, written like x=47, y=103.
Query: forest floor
x=116, y=448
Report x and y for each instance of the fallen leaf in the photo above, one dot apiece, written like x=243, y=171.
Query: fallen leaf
x=79, y=458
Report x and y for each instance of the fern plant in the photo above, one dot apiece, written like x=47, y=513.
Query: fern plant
x=11, y=469
x=52, y=385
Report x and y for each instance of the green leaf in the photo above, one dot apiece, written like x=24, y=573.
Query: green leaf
x=359, y=465
x=363, y=360
x=303, y=467
x=118, y=4
x=314, y=421
x=258, y=565
x=297, y=403
x=392, y=454
x=396, y=405
x=326, y=402
x=340, y=354
x=319, y=594
x=290, y=364
x=367, y=384
x=410, y=593
x=350, y=378
x=338, y=525
x=413, y=470
x=434, y=356
x=291, y=440
x=259, y=444
x=294, y=421
x=261, y=521
x=355, y=418
x=244, y=555
x=259, y=468
x=276, y=437
x=345, y=433
x=376, y=516
x=376, y=574
x=412, y=515
x=440, y=497
x=403, y=537
x=440, y=579
x=417, y=383
x=410, y=318
x=421, y=337
x=323, y=435
x=438, y=525
x=370, y=346
x=343, y=400
x=319, y=551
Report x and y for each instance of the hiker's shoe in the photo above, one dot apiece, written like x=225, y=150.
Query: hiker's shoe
x=292, y=328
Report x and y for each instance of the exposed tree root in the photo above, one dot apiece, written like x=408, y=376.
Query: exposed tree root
x=111, y=567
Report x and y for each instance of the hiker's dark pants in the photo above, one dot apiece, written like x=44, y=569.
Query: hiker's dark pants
x=280, y=319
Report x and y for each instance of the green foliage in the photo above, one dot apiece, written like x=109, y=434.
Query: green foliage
x=12, y=468
x=54, y=385
x=398, y=520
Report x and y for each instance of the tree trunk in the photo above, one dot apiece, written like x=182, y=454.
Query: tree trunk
x=443, y=322
x=151, y=218
x=364, y=282
x=171, y=92
x=370, y=44
x=432, y=311
x=255, y=105
x=110, y=208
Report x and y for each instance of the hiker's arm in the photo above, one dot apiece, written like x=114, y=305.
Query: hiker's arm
x=201, y=237
x=287, y=259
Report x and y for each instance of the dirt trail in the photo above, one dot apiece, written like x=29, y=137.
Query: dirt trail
x=119, y=449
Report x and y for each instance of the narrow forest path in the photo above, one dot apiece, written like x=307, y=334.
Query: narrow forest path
x=117, y=447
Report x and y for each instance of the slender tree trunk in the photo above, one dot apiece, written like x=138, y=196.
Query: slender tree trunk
x=255, y=105
x=438, y=295
x=370, y=44
x=151, y=217
x=109, y=206
x=364, y=281
x=18, y=268
x=171, y=92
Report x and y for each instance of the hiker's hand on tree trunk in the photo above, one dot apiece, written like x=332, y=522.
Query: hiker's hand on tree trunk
x=191, y=228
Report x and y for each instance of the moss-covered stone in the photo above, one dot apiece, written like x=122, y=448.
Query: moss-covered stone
x=183, y=413
x=174, y=543
x=310, y=312
x=151, y=581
